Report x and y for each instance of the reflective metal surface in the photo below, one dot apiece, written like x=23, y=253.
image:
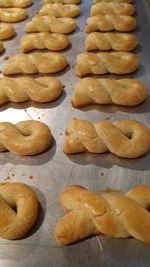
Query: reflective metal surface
x=50, y=172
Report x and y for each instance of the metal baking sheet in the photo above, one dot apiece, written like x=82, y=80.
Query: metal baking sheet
x=50, y=172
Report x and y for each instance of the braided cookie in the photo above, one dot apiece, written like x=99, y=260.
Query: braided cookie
x=1, y=47
x=114, y=1
x=18, y=210
x=110, y=212
x=35, y=63
x=44, y=40
x=60, y=10
x=124, y=138
x=110, y=22
x=6, y=31
x=12, y=14
x=76, y=2
x=24, y=138
x=122, y=42
x=41, y=90
x=51, y=24
x=125, y=92
x=15, y=3
x=104, y=8
x=101, y=63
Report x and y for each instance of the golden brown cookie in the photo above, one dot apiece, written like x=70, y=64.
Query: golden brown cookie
x=60, y=10
x=125, y=92
x=110, y=212
x=122, y=42
x=6, y=31
x=40, y=90
x=62, y=1
x=101, y=63
x=51, y=24
x=35, y=63
x=124, y=138
x=110, y=22
x=12, y=14
x=1, y=47
x=18, y=210
x=15, y=3
x=25, y=138
x=114, y=1
x=104, y=8
x=44, y=40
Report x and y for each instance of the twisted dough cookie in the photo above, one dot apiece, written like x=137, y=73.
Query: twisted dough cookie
x=76, y=2
x=114, y=1
x=60, y=10
x=110, y=213
x=12, y=14
x=104, y=8
x=101, y=63
x=41, y=90
x=51, y=24
x=18, y=210
x=110, y=22
x=6, y=31
x=1, y=47
x=15, y=3
x=24, y=138
x=122, y=42
x=126, y=92
x=35, y=63
x=44, y=40
x=124, y=138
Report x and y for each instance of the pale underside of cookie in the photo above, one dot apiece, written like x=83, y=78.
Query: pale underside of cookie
x=122, y=42
x=114, y=1
x=1, y=47
x=12, y=14
x=6, y=31
x=44, y=40
x=101, y=63
x=35, y=63
x=109, y=212
x=76, y=2
x=51, y=24
x=60, y=10
x=124, y=138
x=18, y=210
x=15, y=3
x=110, y=22
x=126, y=92
x=25, y=138
x=104, y=8
x=41, y=90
